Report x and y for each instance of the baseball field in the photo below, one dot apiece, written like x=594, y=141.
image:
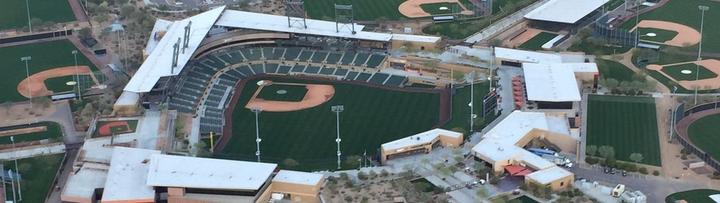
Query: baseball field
x=371, y=116
x=686, y=12
x=364, y=10
x=53, y=131
x=692, y=196
x=45, y=56
x=703, y=133
x=536, y=42
x=13, y=13
x=676, y=72
x=109, y=128
x=37, y=175
x=465, y=28
x=628, y=124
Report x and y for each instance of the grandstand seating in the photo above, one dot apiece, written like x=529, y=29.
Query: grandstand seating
x=258, y=68
x=375, y=60
x=284, y=69
x=363, y=77
x=292, y=53
x=396, y=80
x=351, y=75
x=312, y=69
x=378, y=78
x=333, y=58
x=327, y=71
x=341, y=72
x=348, y=58
x=305, y=55
x=298, y=68
x=360, y=59
x=271, y=68
x=319, y=57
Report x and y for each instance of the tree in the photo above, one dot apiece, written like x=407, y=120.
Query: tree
x=636, y=157
x=353, y=161
x=610, y=83
x=127, y=11
x=607, y=152
x=85, y=33
x=591, y=150
x=362, y=175
x=384, y=173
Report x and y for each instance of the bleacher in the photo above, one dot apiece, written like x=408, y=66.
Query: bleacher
x=360, y=59
x=363, y=77
x=298, y=68
x=351, y=75
x=292, y=53
x=319, y=57
x=378, y=78
x=305, y=55
x=333, y=58
x=341, y=72
x=312, y=69
x=375, y=60
x=327, y=71
x=396, y=80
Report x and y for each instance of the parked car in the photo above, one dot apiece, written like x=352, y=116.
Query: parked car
x=624, y=173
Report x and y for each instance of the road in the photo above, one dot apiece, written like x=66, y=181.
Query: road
x=655, y=188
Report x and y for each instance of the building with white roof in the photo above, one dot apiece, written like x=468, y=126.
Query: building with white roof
x=294, y=186
x=565, y=11
x=545, y=83
x=502, y=146
x=515, y=57
x=422, y=142
x=204, y=173
x=126, y=178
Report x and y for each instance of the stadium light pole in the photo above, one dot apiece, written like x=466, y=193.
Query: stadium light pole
x=17, y=172
x=637, y=21
x=27, y=59
x=472, y=100
x=77, y=75
x=27, y=5
x=702, y=9
x=257, y=132
x=337, y=109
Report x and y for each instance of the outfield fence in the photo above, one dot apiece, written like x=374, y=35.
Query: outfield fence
x=681, y=122
x=602, y=29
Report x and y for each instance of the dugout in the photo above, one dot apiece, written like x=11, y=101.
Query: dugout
x=565, y=15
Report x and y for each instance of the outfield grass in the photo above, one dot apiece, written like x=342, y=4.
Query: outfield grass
x=13, y=13
x=661, y=35
x=464, y=29
x=675, y=72
x=686, y=12
x=59, y=84
x=704, y=134
x=369, y=10
x=45, y=55
x=692, y=196
x=460, y=118
x=612, y=69
x=293, y=93
x=434, y=9
x=537, y=41
x=53, y=132
x=371, y=117
x=629, y=124
x=37, y=175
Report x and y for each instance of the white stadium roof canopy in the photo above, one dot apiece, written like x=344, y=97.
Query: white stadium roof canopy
x=565, y=11
x=158, y=64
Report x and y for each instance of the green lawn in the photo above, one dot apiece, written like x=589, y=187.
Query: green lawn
x=704, y=134
x=463, y=29
x=523, y=199
x=661, y=35
x=460, y=118
x=371, y=117
x=45, y=55
x=537, y=41
x=612, y=69
x=686, y=12
x=585, y=45
x=628, y=124
x=434, y=9
x=364, y=10
x=675, y=72
x=59, y=84
x=37, y=175
x=13, y=13
x=53, y=132
x=274, y=93
x=692, y=196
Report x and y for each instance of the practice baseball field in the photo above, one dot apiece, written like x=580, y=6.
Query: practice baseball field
x=13, y=13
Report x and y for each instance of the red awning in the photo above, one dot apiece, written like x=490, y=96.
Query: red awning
x=514, y=170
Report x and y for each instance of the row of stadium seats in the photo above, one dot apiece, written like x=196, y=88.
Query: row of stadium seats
x=233, y=56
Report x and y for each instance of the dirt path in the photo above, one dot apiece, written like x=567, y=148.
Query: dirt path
x=315, y=96
x=686, y=36
x=412, y=9
x=36, y=82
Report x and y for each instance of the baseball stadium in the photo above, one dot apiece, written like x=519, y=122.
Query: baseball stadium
x=696, y=129
x=250, y=84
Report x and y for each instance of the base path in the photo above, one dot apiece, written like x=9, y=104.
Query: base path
x=412, y=9
x=315, y=96
x=687, y=36
x=36, y=82
x=704, y=84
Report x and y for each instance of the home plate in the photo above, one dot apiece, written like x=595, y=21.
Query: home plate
x=686, y=72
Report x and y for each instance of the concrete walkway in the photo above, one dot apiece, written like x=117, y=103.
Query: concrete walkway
x=31, y=151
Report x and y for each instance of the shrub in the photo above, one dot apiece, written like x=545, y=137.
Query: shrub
x=656, y=173
x=643, y=170
x=591, y=160
x=362, y=175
